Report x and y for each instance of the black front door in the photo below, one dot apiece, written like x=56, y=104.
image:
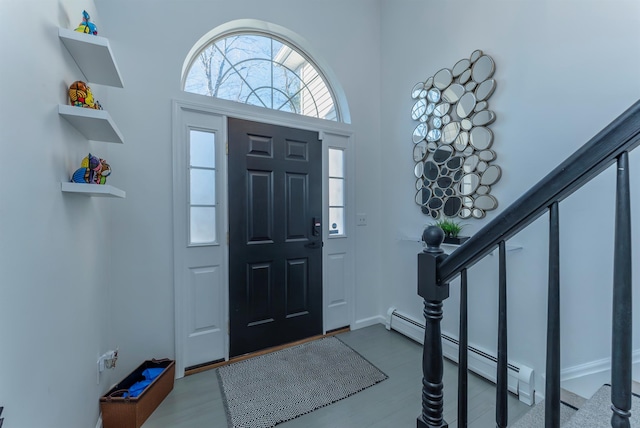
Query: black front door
x=275, y=235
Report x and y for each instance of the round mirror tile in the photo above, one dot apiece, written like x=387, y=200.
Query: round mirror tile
x=484, y=117
x=453, y=93
x=420, y=133
x=467, y=201
x=482, y=105
x=482, y=166
x=442, y=109
x=452, y=206
x=444, y=182
x=464, y=77
x=465, y=105
x=432, y=146
x=435, y=203
x=485, y=89
x=424, y=118
x=465, y=213
x=418, y=109
x=468, y=185
x=466, y=124
x=470, y=86
x=436, y=122
x=450, y=132
x=430, y=108
x=483, y=190
x=458, y=175
x=422, y=196
x=461, y=141
x=468, y=151
x=434, y=135
x=470, y=163
x=486, y=202
x=446, y=119
x=455, y=163
x=438, y=192
x=491, y=175
x=442, y=154
x=428, y=83
x=481, y=138
x=487, y=155
x=431, y=171
x=419, y=184
x=460, y=67
x=418, y=169
x=448, y=191
x=433, y=95
x=475, y=55
x=419, y=151
x=482, y=69
x=442, y=78
x=417, y=89
x=477, y=213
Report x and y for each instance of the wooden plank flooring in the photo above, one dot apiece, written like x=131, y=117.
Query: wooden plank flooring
x=196, y=400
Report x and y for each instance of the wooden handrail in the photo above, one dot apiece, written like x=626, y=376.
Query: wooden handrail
x=621, y=135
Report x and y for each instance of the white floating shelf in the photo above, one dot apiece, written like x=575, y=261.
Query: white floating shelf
x=96, y=125
x=93, y=56
x=99, y=190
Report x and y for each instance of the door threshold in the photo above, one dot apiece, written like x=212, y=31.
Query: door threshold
x=215, y=365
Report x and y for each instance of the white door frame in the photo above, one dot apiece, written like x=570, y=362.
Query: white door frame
x=338, y=252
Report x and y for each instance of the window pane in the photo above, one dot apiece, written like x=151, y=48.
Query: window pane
x=202, y=149
x=203, y=225
x=203, y=187
x=336, y=221
x=336, y=163
x=245, y=67
x=336, y=192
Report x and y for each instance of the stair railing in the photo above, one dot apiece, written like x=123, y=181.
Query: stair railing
x=436, y=270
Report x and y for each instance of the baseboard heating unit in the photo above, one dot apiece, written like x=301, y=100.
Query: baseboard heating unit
x=520, y=377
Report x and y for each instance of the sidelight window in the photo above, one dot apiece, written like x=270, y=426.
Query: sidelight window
x=336, y=192
x=202, y=187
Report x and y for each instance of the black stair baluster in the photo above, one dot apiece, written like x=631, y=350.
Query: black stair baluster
x=501, y=377
x=463, y=348
x=552, y=387
x=433, y=294
x=621, y=343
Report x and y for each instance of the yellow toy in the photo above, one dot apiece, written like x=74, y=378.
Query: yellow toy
x=80, y=95
x=87, y=26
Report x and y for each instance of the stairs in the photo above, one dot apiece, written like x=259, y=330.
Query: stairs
x=576, y=412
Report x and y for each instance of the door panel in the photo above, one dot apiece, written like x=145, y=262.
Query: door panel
x=275, y=259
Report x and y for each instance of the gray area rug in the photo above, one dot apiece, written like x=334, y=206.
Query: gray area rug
x=267, y=390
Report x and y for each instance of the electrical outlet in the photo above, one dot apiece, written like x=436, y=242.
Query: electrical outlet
x=361, y=219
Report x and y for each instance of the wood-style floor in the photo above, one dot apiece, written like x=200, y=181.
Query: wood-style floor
x=196, y=400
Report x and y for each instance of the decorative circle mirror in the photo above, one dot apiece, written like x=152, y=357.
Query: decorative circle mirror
x=453, y=145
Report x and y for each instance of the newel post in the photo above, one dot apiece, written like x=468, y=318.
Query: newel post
x=433, y=294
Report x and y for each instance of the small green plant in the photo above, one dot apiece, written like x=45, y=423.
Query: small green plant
x=451, y=228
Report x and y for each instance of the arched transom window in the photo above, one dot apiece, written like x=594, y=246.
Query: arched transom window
x=261, y=70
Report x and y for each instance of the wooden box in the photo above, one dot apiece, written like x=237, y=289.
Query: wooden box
x=120, y=412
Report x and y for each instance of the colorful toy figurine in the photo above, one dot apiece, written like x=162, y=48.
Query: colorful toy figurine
x=92, y=170
x=80, y=95
x=87, y=26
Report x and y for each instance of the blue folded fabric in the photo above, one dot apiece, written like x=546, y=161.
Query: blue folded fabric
x=151, y=374
x=137, y=388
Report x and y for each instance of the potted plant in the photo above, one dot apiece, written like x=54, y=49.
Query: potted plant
x=451, y=229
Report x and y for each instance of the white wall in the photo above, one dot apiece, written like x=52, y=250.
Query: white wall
x=151, y=41
x=564, y=70
x=54, y=247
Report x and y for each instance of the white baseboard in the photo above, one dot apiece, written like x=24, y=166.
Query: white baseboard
x=520, y=377
x=367, y=322
x=597, y=366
